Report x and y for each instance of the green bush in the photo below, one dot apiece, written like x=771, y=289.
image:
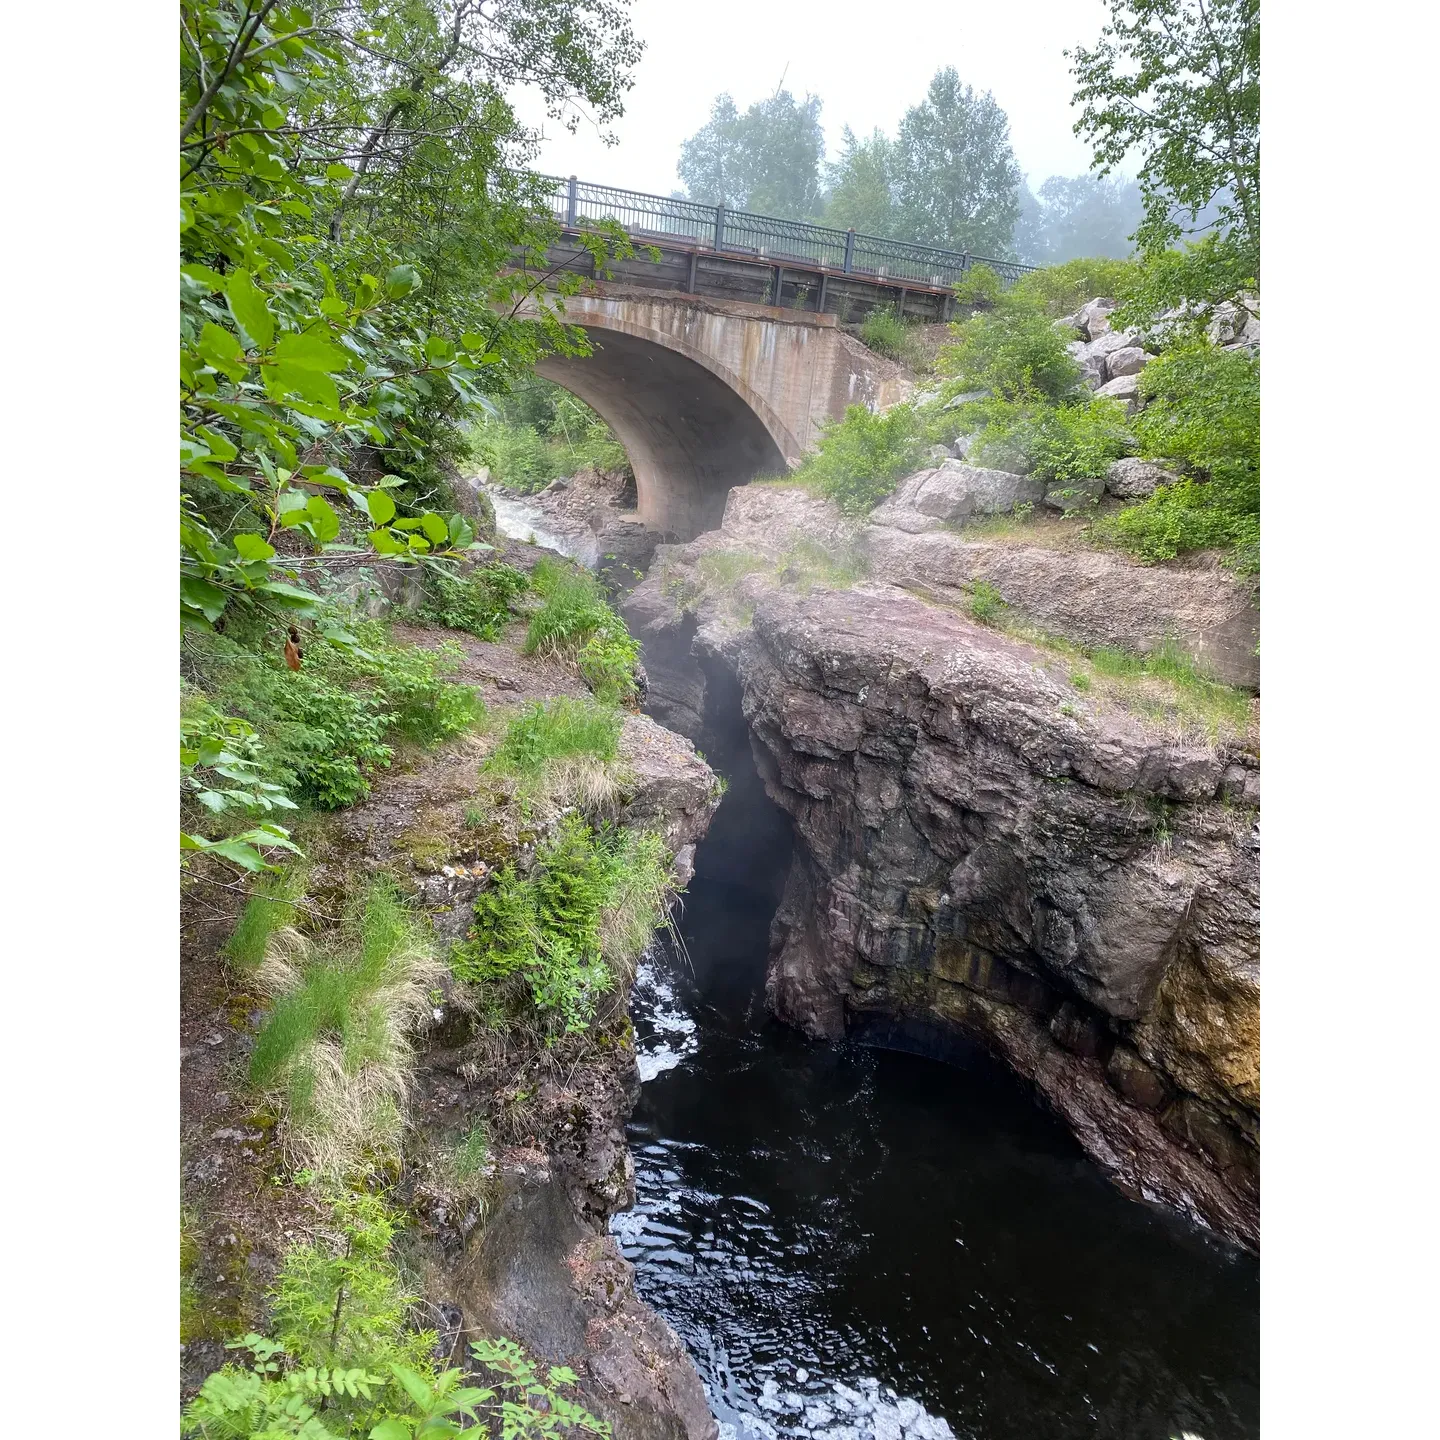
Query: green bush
x=986, y=602
x=479, y=602
x=1204, y=415
x=980, y=288
x=327, y=727
x=585, y=909
x=1056, y=443
x=861, y=458
x=1014, y=351
x=1061, y=290
x=346, y=1362
x=886, y=334
x=517, y=456
x=576, y=623
x=1195, y=278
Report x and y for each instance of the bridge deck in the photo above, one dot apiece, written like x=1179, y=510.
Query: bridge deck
x=734, y=255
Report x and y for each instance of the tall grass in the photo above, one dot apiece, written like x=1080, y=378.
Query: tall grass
x=272, y=908
x=335, y=1051
x=576, y=623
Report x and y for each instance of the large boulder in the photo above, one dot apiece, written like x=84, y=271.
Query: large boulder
x=1122, y=387
x=1077, y=494
x=1094, y=317
x=1133, y=478
x=953, y=492
x=1129, y=361
x=1092, y=367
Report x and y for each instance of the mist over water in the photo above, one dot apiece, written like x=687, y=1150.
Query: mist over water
x=855, y=1242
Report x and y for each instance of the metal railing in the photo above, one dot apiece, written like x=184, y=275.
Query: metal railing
x=574, y=203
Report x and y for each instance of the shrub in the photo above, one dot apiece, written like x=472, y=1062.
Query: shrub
x=862, y=457
x=1060, y=290
x=1014, y=351
x=886, y=334
x=347, y=1363
x=479, y=602
x=1195, y=279
x=575, y=622
x=1060, y=443
x=986, y=602
x=1204, y=415
x=980, y=287
x=516, y=455
x=584, y=912
x=326, y=728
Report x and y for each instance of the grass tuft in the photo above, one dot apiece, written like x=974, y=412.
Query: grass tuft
x=576, y=623
x=334, y=1052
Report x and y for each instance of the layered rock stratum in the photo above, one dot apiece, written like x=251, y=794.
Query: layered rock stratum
x=988, y=850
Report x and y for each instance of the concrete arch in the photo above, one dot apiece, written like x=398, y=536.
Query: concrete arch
x=706, y=395
x=690, y=436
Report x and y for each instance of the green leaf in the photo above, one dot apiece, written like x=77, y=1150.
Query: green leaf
x=253, y=547
x=390, y=1430
x=462, y=532
x=324, y=521
x=415, y=1387
x=380, y=506
x=438, y=350
x=311, y=351
x=247, y=305
x=222, y=350
x=338, y=172
x=403, y=280
x=201, y=595
x=203, y=275
x=311, y=384
x=435, y=528
x=221, y=448
x=292, y=597
x=384, y=542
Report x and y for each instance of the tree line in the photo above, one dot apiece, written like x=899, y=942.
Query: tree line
x=1175, y=82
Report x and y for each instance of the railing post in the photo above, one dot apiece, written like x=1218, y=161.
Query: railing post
x=570, y=205
x=719, y=227
x=849, y=249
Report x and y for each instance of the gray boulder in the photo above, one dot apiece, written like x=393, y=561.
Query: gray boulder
x=1079, y=494
x=965, y=397
x=1092, y=367
x=1122, y=387
x=1133, y=478
x=1236, y=321
x=1094, y=317
x=1129, y=361
x=953, y=492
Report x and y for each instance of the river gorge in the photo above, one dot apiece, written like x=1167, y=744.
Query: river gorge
x=887, y=1235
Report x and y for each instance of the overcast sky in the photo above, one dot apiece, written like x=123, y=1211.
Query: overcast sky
x=868, y=63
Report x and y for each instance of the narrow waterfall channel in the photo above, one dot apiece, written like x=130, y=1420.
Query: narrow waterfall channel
x=863, y=1243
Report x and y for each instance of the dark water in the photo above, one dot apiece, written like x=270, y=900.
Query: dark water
x=863, y=1243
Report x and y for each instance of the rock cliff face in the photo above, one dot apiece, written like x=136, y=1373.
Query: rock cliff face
x=985, y=850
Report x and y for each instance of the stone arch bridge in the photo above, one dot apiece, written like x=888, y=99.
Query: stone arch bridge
x=709, y=393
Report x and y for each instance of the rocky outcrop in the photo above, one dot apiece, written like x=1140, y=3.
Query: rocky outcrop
x=953, y=493
x=985, y=851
